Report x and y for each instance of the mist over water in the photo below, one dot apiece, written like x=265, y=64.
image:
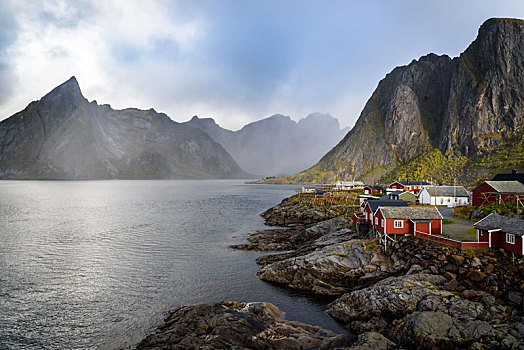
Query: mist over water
x=98, y=264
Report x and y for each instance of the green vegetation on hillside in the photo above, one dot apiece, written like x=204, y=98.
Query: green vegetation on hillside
x=432, y=165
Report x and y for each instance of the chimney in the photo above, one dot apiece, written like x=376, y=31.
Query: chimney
x=514, y=172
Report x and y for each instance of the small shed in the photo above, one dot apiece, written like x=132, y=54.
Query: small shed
x=501, y=232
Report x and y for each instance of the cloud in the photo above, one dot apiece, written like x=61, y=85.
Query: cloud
x=236, y=61
x=8, y=34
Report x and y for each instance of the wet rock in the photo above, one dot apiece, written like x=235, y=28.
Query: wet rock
x=233, y=324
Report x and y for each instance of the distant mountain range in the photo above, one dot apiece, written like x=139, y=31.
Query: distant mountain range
x=439, y=117
x=63, y=136
x=276, y=145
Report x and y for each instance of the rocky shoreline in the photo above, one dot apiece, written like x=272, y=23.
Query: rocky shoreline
x=415, y=294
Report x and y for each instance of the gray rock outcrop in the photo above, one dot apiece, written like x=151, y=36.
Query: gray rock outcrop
x=229, y=325
x=333, y=269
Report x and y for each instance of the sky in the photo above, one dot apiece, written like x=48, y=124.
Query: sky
x=235, y=61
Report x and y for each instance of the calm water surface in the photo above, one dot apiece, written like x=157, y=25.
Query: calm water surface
x=98, y=264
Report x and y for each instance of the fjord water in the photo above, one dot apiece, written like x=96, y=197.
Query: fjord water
x=98, y=264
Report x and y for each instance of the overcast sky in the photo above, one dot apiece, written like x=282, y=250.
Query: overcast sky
x=235, y=61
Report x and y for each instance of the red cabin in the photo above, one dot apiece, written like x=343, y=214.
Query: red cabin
x=407, y=220
x=409, y=186
x=373, y=190
x=496, y=192
x=501, y=232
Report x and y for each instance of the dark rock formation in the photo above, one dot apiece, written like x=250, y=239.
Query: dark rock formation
x=236, y=325
x=276, y=145
x=63, y=136
x=333, y=269
x=470, y=106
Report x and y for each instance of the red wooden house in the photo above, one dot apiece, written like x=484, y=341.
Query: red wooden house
x=373, y=190
x=407, y=220
x=501, y=232
x=496, y=192
x=409, y=186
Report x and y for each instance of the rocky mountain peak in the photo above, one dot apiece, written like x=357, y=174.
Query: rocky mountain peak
x=63, y=136
x=69, y=90
x=203, y=121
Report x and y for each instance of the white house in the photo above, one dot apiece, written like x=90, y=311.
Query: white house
x=349, y=185
x=451, y=196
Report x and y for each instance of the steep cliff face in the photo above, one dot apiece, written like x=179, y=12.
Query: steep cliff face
x=470, y=106
x=486, y=93
x=63, y=136
x=276, y=145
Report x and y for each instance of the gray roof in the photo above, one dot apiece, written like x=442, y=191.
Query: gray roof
x=507, y=186
x=447, y=191
x=505, y=223
x=415, y=213
x=375, y=187
x=373, y=205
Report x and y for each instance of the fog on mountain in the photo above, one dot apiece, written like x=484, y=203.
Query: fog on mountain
x=276, y=145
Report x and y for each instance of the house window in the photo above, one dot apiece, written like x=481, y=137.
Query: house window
x=399, y=224
x=510, y=238
x=376, y=220
x=382, y=222
x=366, y=215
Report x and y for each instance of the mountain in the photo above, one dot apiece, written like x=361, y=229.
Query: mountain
x=440, y=117
x=276, y=145
x=63, y=136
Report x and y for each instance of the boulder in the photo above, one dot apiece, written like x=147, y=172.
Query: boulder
x=476, y=276
x=457, y=259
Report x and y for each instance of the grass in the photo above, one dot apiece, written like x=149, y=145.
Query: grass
x=449, y=222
